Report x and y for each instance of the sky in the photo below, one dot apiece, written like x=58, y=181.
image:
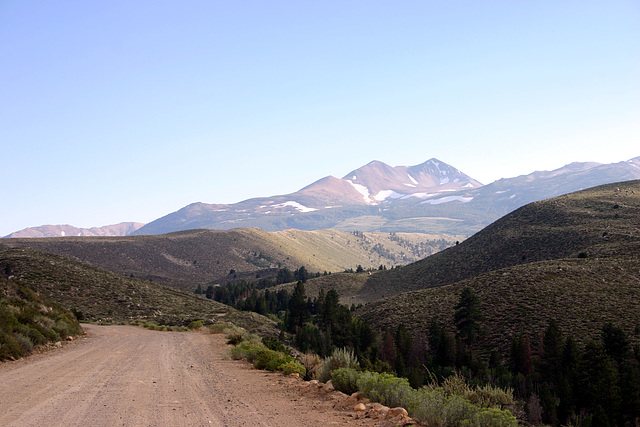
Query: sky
x=114, y=111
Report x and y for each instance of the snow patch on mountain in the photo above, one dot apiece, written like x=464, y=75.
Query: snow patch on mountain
x=387, y=194
x=447, y=200
x=362, y=190
x=296, y=205
x=412, y=180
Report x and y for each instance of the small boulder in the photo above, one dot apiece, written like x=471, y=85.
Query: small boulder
x=397, y=412
x=359, y=407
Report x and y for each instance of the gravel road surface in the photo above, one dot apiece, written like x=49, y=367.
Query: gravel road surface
x=130, y=376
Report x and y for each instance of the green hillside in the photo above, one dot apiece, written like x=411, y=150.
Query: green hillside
x=186, y=259
x=27, y=321
x=100, y=295
x=600, y=222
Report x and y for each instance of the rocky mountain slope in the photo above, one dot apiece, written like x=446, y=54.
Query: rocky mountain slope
x=432, y=197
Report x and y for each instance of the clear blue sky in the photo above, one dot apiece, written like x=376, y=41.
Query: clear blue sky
x=116, y=111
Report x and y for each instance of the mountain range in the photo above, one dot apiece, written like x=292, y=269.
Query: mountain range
x=432, y=197
x=122, y=229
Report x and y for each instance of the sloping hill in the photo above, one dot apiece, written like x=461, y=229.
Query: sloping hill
x=186, y=259
x=575, y=258
x=598, y=222
x=100, y=295
x=582, y=294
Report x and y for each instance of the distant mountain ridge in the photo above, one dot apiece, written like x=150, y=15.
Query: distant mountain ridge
x=122, y=229
x=432, y=197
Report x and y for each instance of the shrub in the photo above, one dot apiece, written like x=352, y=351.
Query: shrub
x=340, y=358
x=270, y=360
x=218, y=328
x=454, y=385
x=264, y=357
x=490, y=396
x=433, y=405
x=64, y=328
x=495, y=417
x=33, y=334
x=385, y=388
x=196, y=324
x=274, y=344
x=9, y=347
x=25, y=342
x=246, y=350
x=292, y=368
x=237, y=335
x=345, y=380
x=234, y=337
x=313, y=364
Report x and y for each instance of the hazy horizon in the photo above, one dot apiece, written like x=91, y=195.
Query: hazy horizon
x=121, y=111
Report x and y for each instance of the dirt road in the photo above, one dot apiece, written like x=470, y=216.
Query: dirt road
x=129, y=376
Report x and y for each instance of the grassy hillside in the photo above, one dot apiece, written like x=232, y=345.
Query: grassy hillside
x=599, y=222
x=575, y=258
x=99, y=295
x=580, y=293
x=186, y=259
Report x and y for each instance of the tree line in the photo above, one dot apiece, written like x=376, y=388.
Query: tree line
x=561, y=383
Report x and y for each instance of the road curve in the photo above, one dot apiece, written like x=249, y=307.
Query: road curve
x=130, y=376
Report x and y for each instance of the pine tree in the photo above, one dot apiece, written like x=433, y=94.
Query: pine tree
x=616, y=343
x=297, y=313
x=552, y=352
x=404, y=346
x=209, y=292
x=598, y=380
x=467, y=316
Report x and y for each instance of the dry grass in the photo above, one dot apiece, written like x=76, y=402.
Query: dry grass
x=186, y=259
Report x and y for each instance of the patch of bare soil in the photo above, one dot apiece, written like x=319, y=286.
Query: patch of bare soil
x=130, y=376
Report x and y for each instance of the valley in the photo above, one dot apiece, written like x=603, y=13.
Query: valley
x=187, y=259
x=556, y=275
